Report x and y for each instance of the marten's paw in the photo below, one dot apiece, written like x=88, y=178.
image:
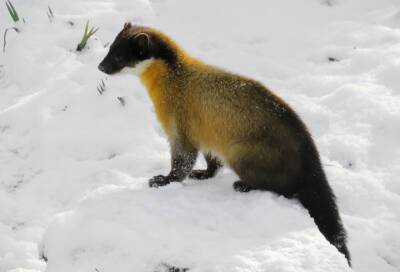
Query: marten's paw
x=201, y=174
x=158, y=181
x=240, y=186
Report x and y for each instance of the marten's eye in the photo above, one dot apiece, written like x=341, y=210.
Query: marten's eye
x=119, y=59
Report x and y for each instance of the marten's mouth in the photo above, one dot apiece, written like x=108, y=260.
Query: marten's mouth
x=107, y=70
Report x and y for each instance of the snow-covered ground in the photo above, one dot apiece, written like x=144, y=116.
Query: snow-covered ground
x=74, y=164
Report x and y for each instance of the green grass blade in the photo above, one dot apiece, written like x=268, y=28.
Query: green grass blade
x=92, y=31
x=12, y=10
x=12, y=6
x=15, y=14
x=86, y=29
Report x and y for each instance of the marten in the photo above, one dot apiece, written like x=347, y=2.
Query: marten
x=232, y=120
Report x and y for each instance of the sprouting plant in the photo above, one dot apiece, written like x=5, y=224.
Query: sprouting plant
x=5, y=36
x=121, y=100
x=13, y=12
x=333, y=59
x=86, y=35
x=14, y=15
x=50, y=14
x=101, y=88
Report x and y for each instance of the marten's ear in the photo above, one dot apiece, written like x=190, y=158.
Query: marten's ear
x=127, y=25
x=143, y=43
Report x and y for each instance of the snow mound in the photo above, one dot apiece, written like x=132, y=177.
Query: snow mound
x=197, y=225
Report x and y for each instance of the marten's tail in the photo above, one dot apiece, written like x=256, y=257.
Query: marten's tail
x=317, y=197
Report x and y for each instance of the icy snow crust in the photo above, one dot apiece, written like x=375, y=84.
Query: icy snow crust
x=74, y=164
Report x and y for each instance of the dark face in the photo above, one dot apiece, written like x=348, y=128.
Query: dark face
x=128, y=49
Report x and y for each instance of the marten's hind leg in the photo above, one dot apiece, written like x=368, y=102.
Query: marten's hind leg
x=264, y=171
x=213, y=165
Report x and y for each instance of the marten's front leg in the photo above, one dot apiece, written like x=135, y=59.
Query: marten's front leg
x=213, y=165
x=183, y=157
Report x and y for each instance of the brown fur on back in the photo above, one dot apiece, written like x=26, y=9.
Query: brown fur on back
x=227, y=114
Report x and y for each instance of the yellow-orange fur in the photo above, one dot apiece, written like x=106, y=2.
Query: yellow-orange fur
x=194, y=101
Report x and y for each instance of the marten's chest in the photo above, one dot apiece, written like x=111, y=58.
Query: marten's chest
x=163, y=109
x=157, y=87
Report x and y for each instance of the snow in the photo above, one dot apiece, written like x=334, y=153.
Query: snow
x=75, y=164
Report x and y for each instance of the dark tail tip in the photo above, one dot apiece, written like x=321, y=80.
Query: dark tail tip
x=339, y=241
x=343, y=249
x=317, y=197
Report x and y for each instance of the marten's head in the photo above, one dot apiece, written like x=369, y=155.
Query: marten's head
x=136, y=47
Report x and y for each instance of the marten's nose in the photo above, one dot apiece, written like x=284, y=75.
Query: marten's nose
x=101, y=68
